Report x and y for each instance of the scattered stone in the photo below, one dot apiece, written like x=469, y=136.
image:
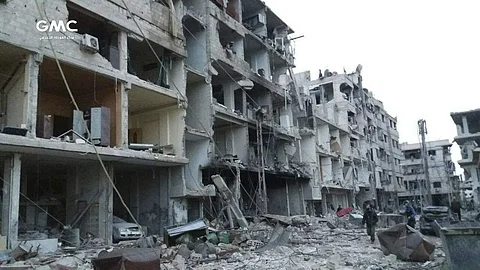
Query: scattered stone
x=184, y=251
x=236, y=257
x=195, y=256
x=179, y=263
x=392, y=258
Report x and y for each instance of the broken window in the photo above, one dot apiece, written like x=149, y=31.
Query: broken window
x=432, y=152
x=351, y=118
x=256, y=54
x=153, y=122
x=437, y=184
x=238, y=95
x=413, y=154
x=95, y=95
x=231, y=41
x=318, y=97
x=218, y=94
x=144, y=64
x=346, y=90
x=195, y=44
x=233, y=8
x=328, y=92
x=106, y=34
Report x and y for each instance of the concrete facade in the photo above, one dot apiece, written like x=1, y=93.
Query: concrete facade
x=443, y=182
x=356, y=142
x=190, y=88
x=146, y=104
x=468, y=138
x=242, y=71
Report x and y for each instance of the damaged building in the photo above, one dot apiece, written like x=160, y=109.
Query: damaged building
x=129, y=110
x=354, y=142
x=125, y=69
x=443, y=182
x=239, y=86
x=113, y=109
x=468, y=139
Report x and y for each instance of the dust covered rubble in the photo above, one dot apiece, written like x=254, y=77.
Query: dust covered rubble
x=317, y=246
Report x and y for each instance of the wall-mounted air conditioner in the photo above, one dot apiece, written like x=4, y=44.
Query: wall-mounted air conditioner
x=90, y=43
x=256, y=21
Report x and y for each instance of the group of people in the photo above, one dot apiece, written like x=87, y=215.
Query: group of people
x=370, y=218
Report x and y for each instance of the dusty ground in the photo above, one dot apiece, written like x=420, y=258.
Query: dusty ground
x=315, y=246
x=319, y=247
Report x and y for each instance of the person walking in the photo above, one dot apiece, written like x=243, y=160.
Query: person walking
x=455, y=207
x=370, y=218
x=410, y=213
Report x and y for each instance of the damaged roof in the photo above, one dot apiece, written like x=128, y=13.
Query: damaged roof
x=457, y=116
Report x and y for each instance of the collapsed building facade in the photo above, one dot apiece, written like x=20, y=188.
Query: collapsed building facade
x=244, y=75
x=443, y=182
x=169, y=92
x=468, y=139
x=354, y=141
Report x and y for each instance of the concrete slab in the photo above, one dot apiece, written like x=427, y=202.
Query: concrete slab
x=46, y=245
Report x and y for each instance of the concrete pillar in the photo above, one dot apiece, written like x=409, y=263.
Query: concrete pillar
x=32, y=68
x=11, y=198
x=72, y=194
x=324, y=203
x=288, y=198
x=122, y=115
x=122, y=93
x=229, y=95
x=123, y=51
x=105, y=204
x=465, y=125
x=178, y=206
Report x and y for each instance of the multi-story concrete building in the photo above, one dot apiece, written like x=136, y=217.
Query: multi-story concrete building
x=443, y=182
x=134, y=107
x=357, y=153
x=171, y=92
x=239, y=65
x=468, y=138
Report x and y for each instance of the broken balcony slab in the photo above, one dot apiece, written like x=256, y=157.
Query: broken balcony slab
x=44, y=245
x=18, y=144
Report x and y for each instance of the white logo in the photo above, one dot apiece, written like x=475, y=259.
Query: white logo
x=57, y=26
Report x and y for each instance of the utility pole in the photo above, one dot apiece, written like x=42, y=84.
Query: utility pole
x=422, y=126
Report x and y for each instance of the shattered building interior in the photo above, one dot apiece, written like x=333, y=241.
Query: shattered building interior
x=165, y=97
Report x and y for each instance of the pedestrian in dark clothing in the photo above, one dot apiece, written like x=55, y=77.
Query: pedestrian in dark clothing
x=410, y=213
x=455, y=207
x=370, y=218
x=339, y=208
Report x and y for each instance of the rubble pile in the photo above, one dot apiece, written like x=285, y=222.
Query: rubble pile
x=270, y=242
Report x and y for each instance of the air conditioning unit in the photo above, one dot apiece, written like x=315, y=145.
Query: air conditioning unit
x=90, y=43
x=262, y=19
x=256, y=21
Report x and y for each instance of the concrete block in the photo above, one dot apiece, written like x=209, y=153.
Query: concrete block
x=46, y=246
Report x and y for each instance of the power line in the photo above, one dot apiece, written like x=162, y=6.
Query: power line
x=173, y=83
x=85, y=123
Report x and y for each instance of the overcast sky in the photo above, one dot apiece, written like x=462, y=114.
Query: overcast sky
x=420, y=58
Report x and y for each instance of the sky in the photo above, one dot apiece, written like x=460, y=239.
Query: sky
x=420, y=58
